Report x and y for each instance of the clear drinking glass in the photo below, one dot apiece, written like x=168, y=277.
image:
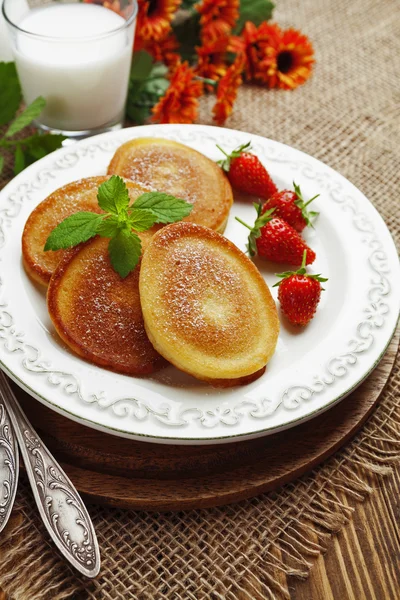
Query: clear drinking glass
x=77, y=55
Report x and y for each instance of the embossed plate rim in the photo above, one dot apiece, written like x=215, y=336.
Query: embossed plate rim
x=261, y=145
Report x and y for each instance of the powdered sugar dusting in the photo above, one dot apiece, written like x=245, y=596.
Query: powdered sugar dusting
x=104, y=314
x=205, y=300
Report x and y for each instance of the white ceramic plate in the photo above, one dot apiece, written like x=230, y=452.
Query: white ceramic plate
x=312, y=369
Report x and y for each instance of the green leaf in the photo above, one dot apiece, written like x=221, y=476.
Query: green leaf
x=166, y=208
x=19, y=160
x=43, y=143
x=113, y=195
x=255, y=11
x=142, y=62
x=75, y=229
x=188, y=4
x=26, y=118
x=1, y=163
x=39, y=145
x=142, y=219
x=187, y=32
x=124, y=250
x=109, y=226
x=138, y=114
x=10, y=92
x=144, y=94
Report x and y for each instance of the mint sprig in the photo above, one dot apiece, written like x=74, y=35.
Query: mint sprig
x=24, y=150
x=120, y=221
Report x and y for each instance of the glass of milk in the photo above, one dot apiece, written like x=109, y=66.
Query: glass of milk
x=76, y=55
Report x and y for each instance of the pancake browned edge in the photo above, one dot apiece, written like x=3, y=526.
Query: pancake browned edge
x=69, y=199
x=176, y=169
x=206, y=307
x=98, y=314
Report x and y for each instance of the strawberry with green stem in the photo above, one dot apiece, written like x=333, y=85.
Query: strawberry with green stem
x=292, y=208
x=299, y=293
x=246, y=173
x=273, y=239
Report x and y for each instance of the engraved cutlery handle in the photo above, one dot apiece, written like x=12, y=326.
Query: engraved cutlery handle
x=9, y=464
x=59, y=504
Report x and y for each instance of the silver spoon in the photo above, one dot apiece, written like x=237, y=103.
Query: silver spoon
x=60, y=506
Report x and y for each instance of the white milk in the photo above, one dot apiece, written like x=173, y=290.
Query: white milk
x=83, y=80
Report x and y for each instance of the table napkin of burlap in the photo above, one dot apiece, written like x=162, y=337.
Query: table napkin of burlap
x=348, y=116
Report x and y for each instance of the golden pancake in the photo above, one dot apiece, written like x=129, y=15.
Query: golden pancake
x=206, y=307
x=72, y=198
x=170, y=167
x=97, y=313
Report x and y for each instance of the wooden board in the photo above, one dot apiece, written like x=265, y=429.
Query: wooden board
x=141, y=475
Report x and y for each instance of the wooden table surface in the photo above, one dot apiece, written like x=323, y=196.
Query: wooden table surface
x=362, y=562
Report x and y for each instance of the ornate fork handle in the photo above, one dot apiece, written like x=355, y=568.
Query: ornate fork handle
x=59, y=504
x=9, y=464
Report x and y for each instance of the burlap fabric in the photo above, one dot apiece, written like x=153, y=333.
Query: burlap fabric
x=347, y=115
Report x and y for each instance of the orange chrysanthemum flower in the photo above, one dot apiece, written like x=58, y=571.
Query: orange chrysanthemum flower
x=154, y=18
x=277, y=58
x=180, y=102
x=217, y=18
x=260, y=49
x=211, y=59
x=227, y=90
x=163, y=50
x=293, y=60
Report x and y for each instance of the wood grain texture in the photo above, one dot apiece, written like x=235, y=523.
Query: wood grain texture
x=125, y=473
x=363, y=561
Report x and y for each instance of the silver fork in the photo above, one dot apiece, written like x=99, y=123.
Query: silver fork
x=60, y=506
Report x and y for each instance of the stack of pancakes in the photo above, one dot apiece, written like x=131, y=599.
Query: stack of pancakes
x=195, y=300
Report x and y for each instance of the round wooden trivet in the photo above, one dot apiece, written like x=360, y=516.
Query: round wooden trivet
x=141, y=475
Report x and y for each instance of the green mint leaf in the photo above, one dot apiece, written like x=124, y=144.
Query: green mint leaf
x=109, y=227
x=113, y=195
x=166, y=208
x=141, y=219
x=40, y=145
x=10, y=92
x=75, y=229
x=124, y=250
x=26, y=118
x=19, y=160
x=1, y=163
x=255, y=11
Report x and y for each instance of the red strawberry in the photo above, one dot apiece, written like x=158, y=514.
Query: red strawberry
x=247, y=174
x=299, y=294
x=290, y=207
x=272, y=238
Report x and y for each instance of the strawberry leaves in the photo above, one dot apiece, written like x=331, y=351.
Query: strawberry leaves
x=225, y=163
x=119, y=222
x=255, y=231
x=308, y=216
x=301, y=271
